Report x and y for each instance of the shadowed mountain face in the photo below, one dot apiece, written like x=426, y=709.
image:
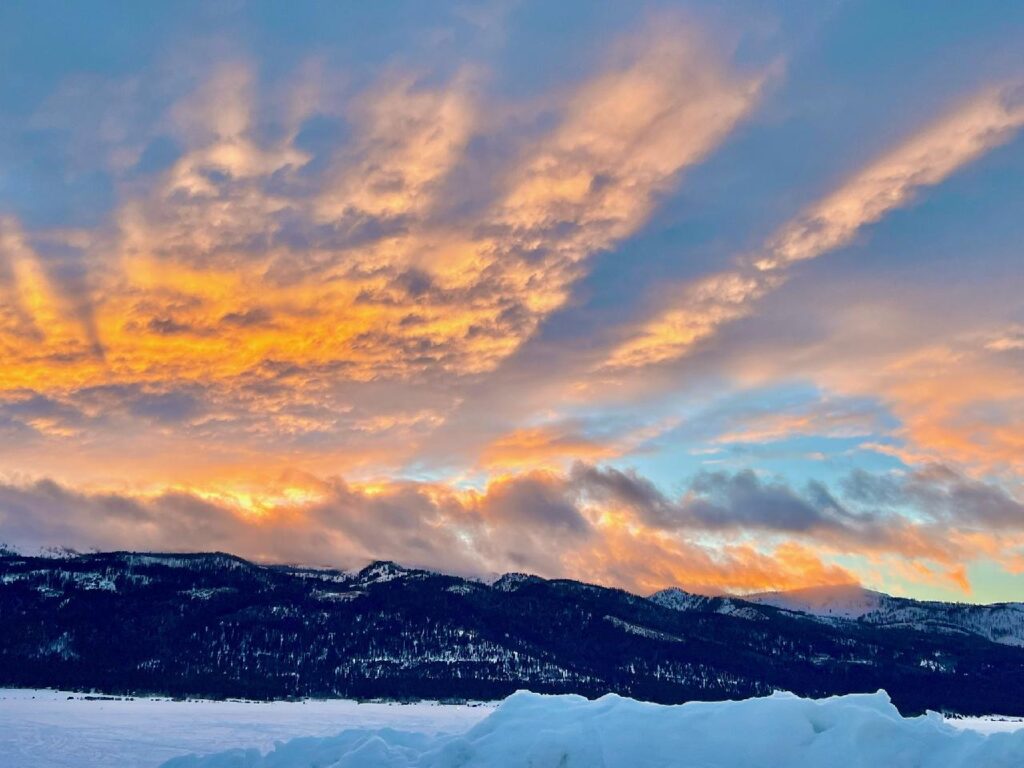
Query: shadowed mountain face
x=217, y=625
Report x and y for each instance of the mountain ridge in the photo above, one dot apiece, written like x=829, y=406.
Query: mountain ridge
x=218, y=625
x=999, y=622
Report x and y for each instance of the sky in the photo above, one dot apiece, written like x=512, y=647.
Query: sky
x=726, y=296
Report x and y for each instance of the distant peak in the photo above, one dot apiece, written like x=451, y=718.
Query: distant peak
x=178, y=559
x=678, y=599
x=381, y=571
x=848, y=600
x=671, y=594
x=511, y=581
x=383, y=566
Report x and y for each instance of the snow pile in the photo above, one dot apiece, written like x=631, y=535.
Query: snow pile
x=783, y=730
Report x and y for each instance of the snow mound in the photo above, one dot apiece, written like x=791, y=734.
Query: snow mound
x=779, y=731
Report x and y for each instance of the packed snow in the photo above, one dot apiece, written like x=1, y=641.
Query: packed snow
x=783, y=730
x=48, y=728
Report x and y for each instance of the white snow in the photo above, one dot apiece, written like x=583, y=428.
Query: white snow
x=637, y=629
x=205, y=593
x=992, y=724
x=780, y=731
x=678, y=600
x=381, y=572
x=999, y=622
x=337, y=597
x=44, y=728
x=511, y=581
x=847, y=601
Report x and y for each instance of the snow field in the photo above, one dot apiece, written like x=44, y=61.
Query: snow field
x=46, y=729
x=780, y=731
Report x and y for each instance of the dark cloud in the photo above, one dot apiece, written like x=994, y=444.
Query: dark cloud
x=720, y=500
x=539, y=501
x=539, y=522
x=413, y=282
x=33, y=405
x=938, y=493
x=250, y=318
x=168, y=326
x=628, y=489
x=21, y=414
x=164, y=406
x=717, y=501
x=167, y=407
x=527, y=523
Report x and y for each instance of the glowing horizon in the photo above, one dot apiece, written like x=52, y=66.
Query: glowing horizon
x=666, y=295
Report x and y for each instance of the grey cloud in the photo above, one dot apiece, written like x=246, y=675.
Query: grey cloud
x=168, y=407
x=527, y=523
x=251, y=317
x=876, y=490
x=32, y=405
x=168, y=326
x=18, y=412
x=534, y=500
x=939, y=493
x=343, y=530
x=537, y=522
x=165, y=406
x=716, y=501
x=413, y=282
x=627, y=489
x=720, y=500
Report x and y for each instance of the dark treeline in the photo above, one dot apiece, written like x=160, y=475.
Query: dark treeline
x=218, y=626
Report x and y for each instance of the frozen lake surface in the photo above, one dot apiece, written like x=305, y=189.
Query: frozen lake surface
x=47, y=729
x=54, y=729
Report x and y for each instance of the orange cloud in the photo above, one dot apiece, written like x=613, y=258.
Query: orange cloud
x=769, y=427
x=544, y=522
x=958, y=402
x=274, y=284
x=644, y=561
x=543, y=446
x=985, y=121
x=261, y=305
x=232, y=260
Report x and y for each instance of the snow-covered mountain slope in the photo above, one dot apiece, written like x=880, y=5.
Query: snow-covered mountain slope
x=844, y=601
x=679, y=600
x=999, y=622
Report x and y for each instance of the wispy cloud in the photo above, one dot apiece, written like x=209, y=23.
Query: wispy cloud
x=359, y=264
x=240, y=264
x=928, y=157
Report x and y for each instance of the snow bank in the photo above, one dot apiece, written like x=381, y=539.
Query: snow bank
x=783, y=730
